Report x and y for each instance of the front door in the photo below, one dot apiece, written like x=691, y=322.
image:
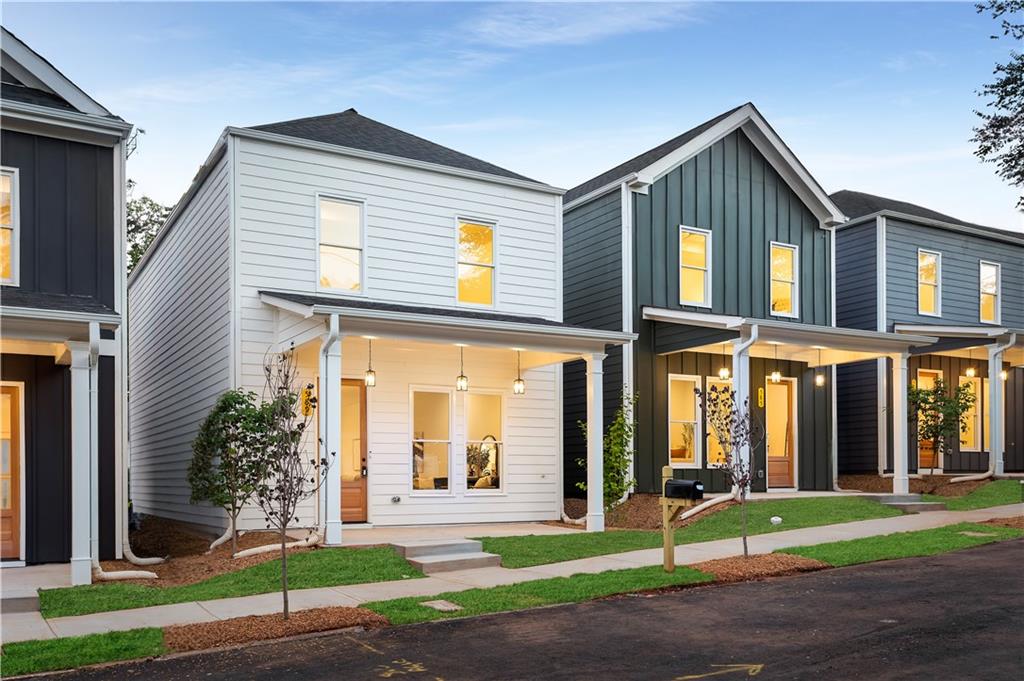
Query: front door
x=780, y=431
x=926, y=457
x=10, y=473
x=353, y=451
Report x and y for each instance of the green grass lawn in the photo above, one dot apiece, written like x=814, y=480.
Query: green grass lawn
x=517, y=552
x=542, y=592
x=996, y=493
x=904, y=544
x=29, y=657
x=322, y=567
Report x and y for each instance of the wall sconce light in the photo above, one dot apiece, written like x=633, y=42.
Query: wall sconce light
x=518, y=385
x=370, y=377
x=1004, y=374
x=461, y=381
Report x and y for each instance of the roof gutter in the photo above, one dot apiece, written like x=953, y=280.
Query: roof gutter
x=997, y=234
x=71, y=119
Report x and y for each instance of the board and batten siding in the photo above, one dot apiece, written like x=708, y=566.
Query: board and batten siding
x=961, y=256
x=592, y=290
x=180, y=350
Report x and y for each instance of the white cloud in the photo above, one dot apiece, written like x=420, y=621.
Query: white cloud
x=911, y=60
x=533, y=24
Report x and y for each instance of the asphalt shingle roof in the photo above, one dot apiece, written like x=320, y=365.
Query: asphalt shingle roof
x=858, y=204
x=11, y=296
x=351, y=129
x=29, y=95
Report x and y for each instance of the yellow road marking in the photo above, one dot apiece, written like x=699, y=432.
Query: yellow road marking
x=750, y=669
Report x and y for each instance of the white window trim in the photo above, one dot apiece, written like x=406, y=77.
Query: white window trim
x=705, y=448
x=938, y=282
x=361, y=202
x=502, y=451
x=978, y=413
x=708, y=263
x=452, y=440
x=999, y=291
x=795, y=314
x=794, y=384
x=15, y=279
x=493, y=224
x=698, y=434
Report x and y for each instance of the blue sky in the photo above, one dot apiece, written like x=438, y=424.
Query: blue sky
x=876, y=96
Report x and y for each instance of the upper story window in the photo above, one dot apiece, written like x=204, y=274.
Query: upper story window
x=694, y=267
x=989, y=284
x=341, y=244
x=476, y=263
x=784, y=276
x=929, y=283
x=9, y=226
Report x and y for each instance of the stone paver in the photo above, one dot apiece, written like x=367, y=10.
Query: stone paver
x=206, y=611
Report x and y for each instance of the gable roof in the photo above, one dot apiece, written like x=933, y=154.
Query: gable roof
x=859, y=204
x=351, y=129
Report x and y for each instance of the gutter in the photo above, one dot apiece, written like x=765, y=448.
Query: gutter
x=71, y=119
x=996, y=233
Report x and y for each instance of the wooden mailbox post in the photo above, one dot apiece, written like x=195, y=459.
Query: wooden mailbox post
x=670, y=510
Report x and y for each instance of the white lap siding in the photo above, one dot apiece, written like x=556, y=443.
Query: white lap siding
x=179, y=350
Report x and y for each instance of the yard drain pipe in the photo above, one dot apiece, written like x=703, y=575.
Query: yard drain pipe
x=313, y=539
x=998, y=349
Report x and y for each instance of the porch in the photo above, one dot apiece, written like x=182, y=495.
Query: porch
x=437, y=417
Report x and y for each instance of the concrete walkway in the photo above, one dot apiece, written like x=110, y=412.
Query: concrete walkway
x=26, y=626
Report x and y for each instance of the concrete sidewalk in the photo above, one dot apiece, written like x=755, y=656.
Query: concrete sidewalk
x=26, y=626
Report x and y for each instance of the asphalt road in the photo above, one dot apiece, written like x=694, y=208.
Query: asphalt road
x=957, y=616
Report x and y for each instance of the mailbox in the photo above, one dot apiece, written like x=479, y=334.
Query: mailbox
x=684, y=489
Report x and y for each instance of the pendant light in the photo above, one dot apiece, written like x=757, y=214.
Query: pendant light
x=723, y=373
x=370, y=377
x=1004, y=374
x=776, y=375
x=461, y=382
x=518, y=385
x=970, y=358
x=819, y=377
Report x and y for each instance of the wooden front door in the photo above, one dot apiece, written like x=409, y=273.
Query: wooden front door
x=10, y=473
x=353, y=451
x=926, y=458
x=780, y=431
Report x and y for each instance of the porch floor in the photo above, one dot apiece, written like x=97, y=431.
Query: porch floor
x=25, y=582
x=368, y=536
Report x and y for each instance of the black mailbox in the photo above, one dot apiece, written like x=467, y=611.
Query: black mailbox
x=684, y=489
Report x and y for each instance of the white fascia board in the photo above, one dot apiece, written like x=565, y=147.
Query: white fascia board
x=712, y=321
x=304, y=311
x=387, y=158
x=955, y=331
x=100, y=129
x=600, y=191
x=1005, y=235
x=106, y=321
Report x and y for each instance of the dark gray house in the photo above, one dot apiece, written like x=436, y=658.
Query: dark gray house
x=62, y=252
x=717, y=249
x=906, y=269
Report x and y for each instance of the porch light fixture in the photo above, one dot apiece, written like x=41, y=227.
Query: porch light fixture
x=518, y=385
x=1003, y=375
x=461, y=382
x=970, y=357
x=819, y=377
x=776, y=375
x=723, y=373
x=370, y=377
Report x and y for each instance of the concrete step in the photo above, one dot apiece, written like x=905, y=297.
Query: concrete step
x=448, y=562
x=917, y=506
x=414, y=548
x=896, y=498
x=14, y=604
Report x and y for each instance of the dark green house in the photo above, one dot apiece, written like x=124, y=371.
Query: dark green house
x=717, y=249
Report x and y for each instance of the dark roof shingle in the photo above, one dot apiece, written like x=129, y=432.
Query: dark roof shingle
x=28, y=95
x=858, y=204
x=351, y=129
x=11, y=296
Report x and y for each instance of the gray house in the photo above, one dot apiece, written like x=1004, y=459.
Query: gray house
x=717, y=249
x=906, y=269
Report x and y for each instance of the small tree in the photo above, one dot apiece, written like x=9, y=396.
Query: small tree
x=144, y=217
x=735, y=427
x=941, y=415
x=292, y=476
x=618, y=453
x=227, y=465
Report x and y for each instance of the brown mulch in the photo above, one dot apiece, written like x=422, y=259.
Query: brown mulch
x=928, y=484
x=638, y=512
x=189, y=561
x=264, y=627
x=740, y=569
x=1016, y=522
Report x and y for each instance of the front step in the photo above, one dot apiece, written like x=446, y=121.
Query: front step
x=449, y=562
x=15, y=604
x=414, y=548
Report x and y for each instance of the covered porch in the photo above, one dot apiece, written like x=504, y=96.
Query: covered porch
x=439, y=416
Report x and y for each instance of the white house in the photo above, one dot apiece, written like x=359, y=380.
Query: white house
x=367, y=249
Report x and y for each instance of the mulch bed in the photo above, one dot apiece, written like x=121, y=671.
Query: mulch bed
x=1016, y=522
x=189, y=561
x=639, y=512
x=740, y=569
x=928, y=484
x=240, y=630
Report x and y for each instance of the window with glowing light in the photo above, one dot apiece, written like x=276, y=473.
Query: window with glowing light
x=929, y=276
x=683, y=421
x=715, y=452
x=784, y=276
x=694, y=267
x=341, y=244
x=484, y=443
x=431, y=439
x=989, y=283
x=476, y=264
x=969, y=434
x=9, y=226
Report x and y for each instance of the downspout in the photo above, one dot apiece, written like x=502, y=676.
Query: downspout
x=997, y=350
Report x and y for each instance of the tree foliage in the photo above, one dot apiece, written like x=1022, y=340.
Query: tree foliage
x=618, y=453
x=227, y=462
x=144, y=217
x=941, y=414
x=1000, y=136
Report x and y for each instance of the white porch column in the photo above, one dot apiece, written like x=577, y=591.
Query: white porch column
x=997, y=429
x=900, y=465
x=595, y=442
x=330, y=395
x=741, y=381
x=82, y=426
